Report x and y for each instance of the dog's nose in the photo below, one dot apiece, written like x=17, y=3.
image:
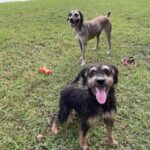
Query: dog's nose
x=100, y=81
x=71, y=20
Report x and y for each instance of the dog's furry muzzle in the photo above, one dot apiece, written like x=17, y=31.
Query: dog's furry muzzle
x=99, y=88
x=73, y=22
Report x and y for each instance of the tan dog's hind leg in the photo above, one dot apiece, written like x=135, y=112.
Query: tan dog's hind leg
x=108, y=35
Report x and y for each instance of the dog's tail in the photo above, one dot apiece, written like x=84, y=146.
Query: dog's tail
x=108, y=14
x=81, y=74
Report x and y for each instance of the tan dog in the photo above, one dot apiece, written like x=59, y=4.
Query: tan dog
x=86, y=30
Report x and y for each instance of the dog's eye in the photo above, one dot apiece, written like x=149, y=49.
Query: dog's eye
x=70, y=14
x=76, y=15
x=93, y=72
x=107, y=72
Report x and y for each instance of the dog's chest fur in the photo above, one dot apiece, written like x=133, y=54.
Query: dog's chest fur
x=88, y=31
x=108, y=115
x=82, y=34
x=84, y=103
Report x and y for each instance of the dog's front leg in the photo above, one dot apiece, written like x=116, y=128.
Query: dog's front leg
x=83, y=132
x=55, y=124
x=109, y=126
x=83, y=49
x=83, y=55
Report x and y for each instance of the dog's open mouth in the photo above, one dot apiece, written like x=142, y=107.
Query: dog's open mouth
x=73, y=23
x=101, y=95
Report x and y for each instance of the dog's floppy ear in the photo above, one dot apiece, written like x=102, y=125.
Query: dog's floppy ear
x=81, y=15
x=68, y=16
x=82, y=74
x=116, y=72
x=81, y=20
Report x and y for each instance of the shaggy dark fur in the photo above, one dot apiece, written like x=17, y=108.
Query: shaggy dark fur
x=84, y=101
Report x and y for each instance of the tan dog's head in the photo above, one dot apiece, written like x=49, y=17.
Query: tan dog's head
x=75, y=18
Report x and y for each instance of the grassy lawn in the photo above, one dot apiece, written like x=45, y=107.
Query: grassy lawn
x=35, y=34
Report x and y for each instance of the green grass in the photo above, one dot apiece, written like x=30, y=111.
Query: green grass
x=34, y=34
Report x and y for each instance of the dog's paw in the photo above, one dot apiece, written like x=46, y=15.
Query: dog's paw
x=54, y=129
x=80, y=58
x=113, y=143
x=83, y=63
x=95, y=48
x=109, y=53
x=85, y=147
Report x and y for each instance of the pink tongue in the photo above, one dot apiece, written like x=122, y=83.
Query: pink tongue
x=101, y=95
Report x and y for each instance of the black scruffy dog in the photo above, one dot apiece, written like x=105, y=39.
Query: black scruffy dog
x=94, y=103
